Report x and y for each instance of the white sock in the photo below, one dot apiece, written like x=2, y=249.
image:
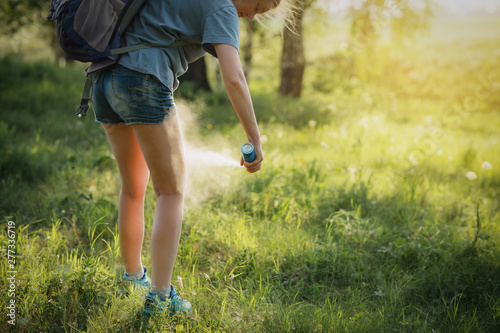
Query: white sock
x=139, y=274
x=164, y=293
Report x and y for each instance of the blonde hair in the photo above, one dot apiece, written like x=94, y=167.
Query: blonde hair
x=284, y=10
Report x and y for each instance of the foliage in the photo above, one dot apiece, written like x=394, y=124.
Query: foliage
x=14, y=14
x=215, y=111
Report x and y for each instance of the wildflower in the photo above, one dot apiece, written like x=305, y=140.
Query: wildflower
x=209, y=126
x=206, y=276
x=471, y=175
x=486, y=165
x=312, y=123
x=179, y=280
x=324, y=145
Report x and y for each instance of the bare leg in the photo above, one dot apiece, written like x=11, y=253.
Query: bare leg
x=163, y=150
x=134, y=179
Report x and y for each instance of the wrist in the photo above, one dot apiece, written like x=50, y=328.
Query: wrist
x=254, y=140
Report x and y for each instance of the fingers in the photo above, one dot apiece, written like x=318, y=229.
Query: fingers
x=253, y=166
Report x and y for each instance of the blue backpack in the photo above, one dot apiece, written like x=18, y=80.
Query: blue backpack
x=90, y=31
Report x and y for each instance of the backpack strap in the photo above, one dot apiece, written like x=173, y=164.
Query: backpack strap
x=84, y=102
x=127, y=15
x=126, y=49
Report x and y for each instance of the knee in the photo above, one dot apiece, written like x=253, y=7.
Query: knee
x=170, y=193
x=176, y=190
x=133, y=192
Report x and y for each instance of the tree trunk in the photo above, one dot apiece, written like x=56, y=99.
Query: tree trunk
x=292, y=57
x=247, y=48
x=197, y=73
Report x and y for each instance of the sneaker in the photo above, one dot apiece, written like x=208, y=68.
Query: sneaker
x=172, y=305
x=145, y=281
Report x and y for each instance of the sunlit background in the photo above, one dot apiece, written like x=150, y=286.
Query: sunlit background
x=447, y=7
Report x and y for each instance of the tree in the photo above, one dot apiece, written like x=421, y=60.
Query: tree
x=250, y=28
x=292, y=56
x=403, y=17
x=14, y=14
x=197, y=74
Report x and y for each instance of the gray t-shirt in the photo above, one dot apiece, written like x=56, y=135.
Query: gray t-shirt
x=202, y=22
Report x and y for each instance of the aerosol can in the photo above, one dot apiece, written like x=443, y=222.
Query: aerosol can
x=248, y=152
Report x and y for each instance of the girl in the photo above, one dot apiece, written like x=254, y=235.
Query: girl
x=133, y=101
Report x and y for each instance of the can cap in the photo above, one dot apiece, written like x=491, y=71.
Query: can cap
x=247, y=148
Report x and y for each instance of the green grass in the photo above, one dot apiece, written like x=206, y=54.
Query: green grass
x=361, y=220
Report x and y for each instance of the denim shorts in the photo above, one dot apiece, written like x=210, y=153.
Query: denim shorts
x=120, y=95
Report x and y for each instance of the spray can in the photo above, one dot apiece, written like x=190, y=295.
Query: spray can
x=248, y=152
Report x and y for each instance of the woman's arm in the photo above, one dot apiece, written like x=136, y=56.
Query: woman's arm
x=239, y=94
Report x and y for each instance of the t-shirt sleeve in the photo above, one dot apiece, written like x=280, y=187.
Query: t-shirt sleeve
x=221, y=26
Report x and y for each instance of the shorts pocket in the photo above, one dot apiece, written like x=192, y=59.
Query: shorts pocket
x=130, y=87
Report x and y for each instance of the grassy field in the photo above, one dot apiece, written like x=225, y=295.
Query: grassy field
x=377, y=208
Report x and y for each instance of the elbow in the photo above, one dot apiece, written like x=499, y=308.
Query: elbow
x=235, y=81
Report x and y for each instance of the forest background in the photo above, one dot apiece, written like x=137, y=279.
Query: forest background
x=377, y=208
